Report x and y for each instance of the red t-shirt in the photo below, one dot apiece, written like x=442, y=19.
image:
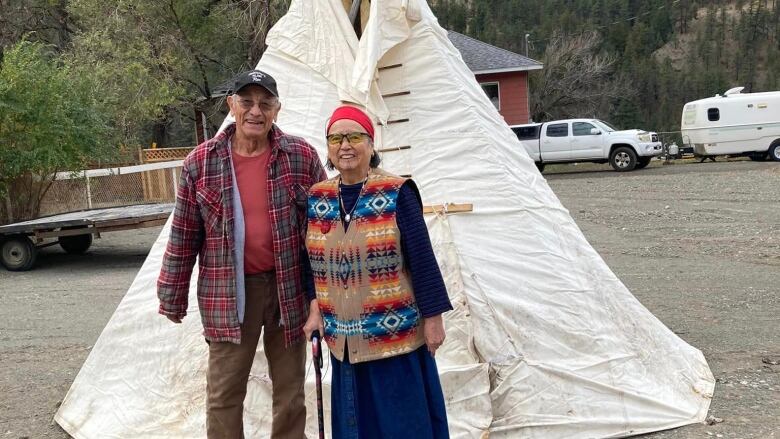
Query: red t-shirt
x=252, y=178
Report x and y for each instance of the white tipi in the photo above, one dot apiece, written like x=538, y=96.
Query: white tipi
x=544, y=341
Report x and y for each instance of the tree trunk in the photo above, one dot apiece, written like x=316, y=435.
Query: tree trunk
x=258, y=15
x=7, y=211
x=160, y=132
x=25, y=195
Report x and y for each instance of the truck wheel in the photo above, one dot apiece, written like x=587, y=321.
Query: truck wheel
x=18, y=253
x=539, y=166
x=774, y=151
x=642, y=162
x=77, y=244
x=623, y=159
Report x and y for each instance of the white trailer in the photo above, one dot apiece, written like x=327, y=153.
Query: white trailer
x=734, y=124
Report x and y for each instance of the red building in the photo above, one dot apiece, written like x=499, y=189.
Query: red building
x=501, y=73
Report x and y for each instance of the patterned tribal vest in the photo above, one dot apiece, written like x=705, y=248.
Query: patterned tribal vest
x=364, y=292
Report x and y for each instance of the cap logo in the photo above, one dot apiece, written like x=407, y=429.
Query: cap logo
x=257, y=76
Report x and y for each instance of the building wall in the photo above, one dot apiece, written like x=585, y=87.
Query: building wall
x=513, y=93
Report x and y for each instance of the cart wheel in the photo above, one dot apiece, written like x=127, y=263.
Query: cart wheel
x=77, y=244
x=18, y=253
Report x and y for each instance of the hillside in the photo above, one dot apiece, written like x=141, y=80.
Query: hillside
x=668, y=51
x=156, y=64
x=717, y=29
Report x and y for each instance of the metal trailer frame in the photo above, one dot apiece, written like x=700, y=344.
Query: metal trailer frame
x=73, y=231
x=684, y=150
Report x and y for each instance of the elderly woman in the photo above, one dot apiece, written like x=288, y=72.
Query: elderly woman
x=379, y=292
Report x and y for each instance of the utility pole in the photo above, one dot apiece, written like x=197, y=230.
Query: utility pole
x=354, y=17
x=526, y=44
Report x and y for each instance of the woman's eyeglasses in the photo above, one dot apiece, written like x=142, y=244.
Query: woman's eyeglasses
x=353, y=138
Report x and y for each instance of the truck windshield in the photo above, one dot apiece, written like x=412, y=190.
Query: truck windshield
x=605, y=126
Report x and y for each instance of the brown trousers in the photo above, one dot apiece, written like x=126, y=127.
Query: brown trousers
x=230, y=364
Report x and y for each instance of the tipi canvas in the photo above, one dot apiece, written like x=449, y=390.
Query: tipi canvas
x=544, y=342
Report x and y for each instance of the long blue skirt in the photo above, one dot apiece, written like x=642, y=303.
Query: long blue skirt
x=396, y=397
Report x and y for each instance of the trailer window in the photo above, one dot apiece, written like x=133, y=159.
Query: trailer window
x=558, y=130
x=713, y=114
x=527, y=133
x=689, y=115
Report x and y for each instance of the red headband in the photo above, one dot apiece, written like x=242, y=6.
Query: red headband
x=354, y=114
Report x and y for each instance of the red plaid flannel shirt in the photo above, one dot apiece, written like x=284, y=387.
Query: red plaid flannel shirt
x=203, y=228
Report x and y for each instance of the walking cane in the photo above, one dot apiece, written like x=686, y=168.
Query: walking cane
x=316, y=351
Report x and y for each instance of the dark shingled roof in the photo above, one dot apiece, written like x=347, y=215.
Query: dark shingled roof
x=485, y=58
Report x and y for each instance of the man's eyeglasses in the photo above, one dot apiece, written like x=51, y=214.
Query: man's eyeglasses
x=353, y=138
x=247, y=103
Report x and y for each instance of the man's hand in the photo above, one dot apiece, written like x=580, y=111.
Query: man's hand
x=433, y=328
x=174, y=319
x=314, y=322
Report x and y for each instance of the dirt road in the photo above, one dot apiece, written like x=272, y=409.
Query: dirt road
x=698, y=244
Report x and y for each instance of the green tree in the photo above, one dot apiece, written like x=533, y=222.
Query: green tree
x=577, y=81
x=45, y=21
x=161, y=60
x=51, y=120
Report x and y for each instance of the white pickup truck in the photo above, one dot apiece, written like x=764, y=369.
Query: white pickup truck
x=587, y=140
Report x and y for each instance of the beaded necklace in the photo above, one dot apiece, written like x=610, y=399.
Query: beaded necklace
x=348, y=215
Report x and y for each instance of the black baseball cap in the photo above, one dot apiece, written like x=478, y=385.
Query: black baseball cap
x=255, y=77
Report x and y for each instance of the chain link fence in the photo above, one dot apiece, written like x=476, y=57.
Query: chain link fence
x=112, y=187
x=153, y=181
x=91, y=191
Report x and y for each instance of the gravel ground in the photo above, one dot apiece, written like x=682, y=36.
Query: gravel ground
x=698, y=244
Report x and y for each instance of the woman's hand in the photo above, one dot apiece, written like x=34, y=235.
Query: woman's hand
x=314, y=322
x=433, y=328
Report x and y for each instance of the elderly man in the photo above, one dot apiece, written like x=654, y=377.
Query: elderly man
x=240, y=207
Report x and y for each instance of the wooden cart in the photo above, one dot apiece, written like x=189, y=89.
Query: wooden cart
x=20, y=242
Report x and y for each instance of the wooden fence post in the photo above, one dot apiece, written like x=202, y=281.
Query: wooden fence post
x=89, y=193
x=8, y=208
x=174, y=181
